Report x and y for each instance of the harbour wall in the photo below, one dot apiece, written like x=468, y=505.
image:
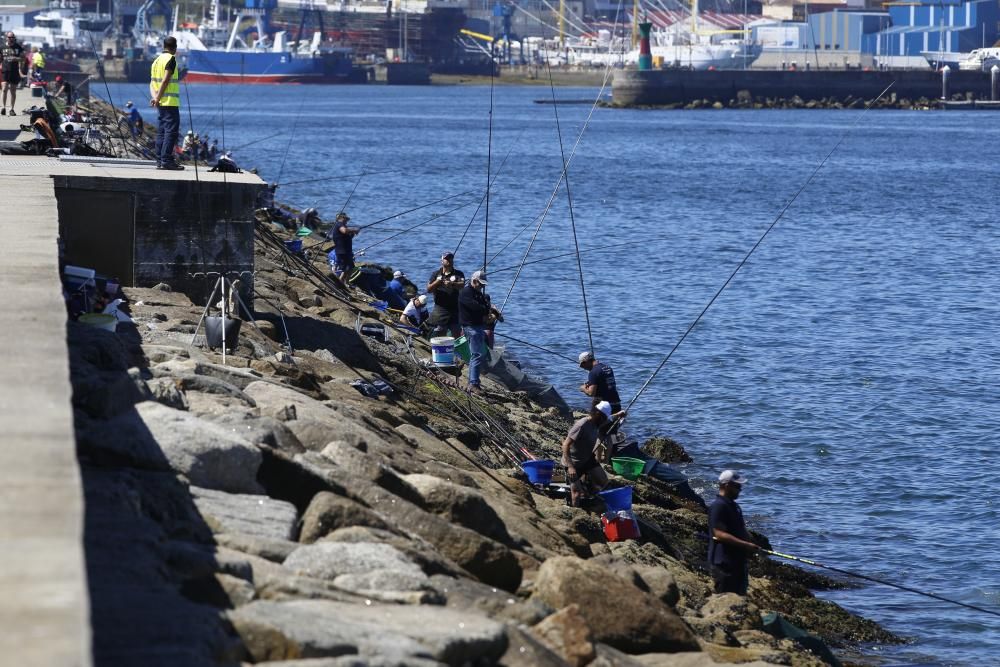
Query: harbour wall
x=677, y=86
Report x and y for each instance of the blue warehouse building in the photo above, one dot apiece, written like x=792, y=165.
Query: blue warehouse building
x=948, y=26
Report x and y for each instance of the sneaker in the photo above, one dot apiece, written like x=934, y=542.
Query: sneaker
x=172, y=167
x=12, y=112
x=3, y=111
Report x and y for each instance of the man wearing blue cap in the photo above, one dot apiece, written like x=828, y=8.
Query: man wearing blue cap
x=729, y=545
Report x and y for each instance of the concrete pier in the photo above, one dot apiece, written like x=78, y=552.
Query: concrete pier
x=680, y=86
x=124, y=219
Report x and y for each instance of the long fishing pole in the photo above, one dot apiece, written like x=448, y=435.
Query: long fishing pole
x=288, y=148
x=582, y=252
x=343, y=208
x=876, y=580
x=100, y=68
x=489, y=158
x=537, y=347
x=257, y=141
x=338, y=177
x=415, y=208
x=410, y=229
x=756, y=245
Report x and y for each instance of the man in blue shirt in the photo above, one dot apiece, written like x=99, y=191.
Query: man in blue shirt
x=600, y=382
x=729, y=545
x=343, y=248
x=134, y=119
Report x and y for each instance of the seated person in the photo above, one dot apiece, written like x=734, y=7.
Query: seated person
x=415, y=313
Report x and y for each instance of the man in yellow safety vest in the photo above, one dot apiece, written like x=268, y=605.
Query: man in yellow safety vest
x=166, y=97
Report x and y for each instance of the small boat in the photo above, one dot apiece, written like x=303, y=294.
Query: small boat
x=980, y=60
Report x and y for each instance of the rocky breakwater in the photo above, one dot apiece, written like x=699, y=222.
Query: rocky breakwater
x=265, y=511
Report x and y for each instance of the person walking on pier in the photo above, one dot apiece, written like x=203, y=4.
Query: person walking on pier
x=600, y=382
x=475, y=314
x=165, y=95
x=12, y=54
x=36, y=68
x=445, y=284
x=729, y=545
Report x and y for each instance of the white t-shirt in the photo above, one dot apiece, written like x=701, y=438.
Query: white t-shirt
x=415, y=313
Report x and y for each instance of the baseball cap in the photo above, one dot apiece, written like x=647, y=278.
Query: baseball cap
x=480, y=277
x=447, y=255
x=128, y=104
x=585, y=356
x=731, y=477
x=604, y=407
x=398, y=274
x=422, y=299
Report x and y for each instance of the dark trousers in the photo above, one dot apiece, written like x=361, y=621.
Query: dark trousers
x=168, y=129
x=731, y=578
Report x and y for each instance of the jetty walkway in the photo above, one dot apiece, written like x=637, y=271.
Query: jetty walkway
x=123, y=205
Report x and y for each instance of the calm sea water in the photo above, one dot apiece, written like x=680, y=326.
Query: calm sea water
x=851, y=367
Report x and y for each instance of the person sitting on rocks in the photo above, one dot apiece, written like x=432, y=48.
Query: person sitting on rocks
x=415, y=313
x=583, y=470
x=397, y=289
x=729, y=545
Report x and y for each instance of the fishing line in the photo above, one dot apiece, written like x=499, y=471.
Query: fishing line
x=288, y=148
x=257, y=141
x=364, y=168
x=806, y=561
x=489, y=158
x=566, y=163
x=341, y=176
x=582, y=252
x=482, y=199
x=739, y=266
x=197, y=180
x=537, y=347
x=569, y=203
x=114, y=110
x=410, y=229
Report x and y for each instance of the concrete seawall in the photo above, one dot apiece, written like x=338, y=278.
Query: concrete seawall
x=676, y=86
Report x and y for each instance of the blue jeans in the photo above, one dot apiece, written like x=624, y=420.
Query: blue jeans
x=168, y=129
x=476, y=335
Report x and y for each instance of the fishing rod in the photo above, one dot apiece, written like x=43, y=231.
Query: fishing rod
x=410, y=229
x=876, y=580
x=756, y=245
x=489, y=159
x=582, y=252
x=364, y=168
x=537, y=347
x=334, y=178
x=415, y=208
x=288, y=148
x=256, y=141
x=100, y=69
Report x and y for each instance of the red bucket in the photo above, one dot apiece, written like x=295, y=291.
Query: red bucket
x=619, y=528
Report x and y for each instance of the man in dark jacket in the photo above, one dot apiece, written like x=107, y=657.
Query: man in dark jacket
x=600, y=382
x=729, y=545
x=475, y=315
x=343, y=248
x=445, y=285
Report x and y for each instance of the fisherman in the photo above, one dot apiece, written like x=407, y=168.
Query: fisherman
x=213, y=150
x=12, y=54
x=342, y=255
x=600, y=382
x=584, y=471
x=397, y=289
x=36, y=69
x=166, y=98
x=190, y=144
x=415, y=313
x=729, y=545
x=475, y=314
x=445, y=284
x=134, y=118
x=64, y=90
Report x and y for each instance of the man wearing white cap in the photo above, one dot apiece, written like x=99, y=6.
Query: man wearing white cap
x=415, y=314
x=729, y=545
x=584, y=470
x=475, y=314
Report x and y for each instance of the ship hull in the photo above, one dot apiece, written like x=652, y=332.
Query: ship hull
x=256, y=67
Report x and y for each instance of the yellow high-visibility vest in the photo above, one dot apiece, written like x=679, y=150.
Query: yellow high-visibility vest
x=38, y=60
x=172, y=95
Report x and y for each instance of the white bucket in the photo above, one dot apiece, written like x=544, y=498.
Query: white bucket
x=443, y=351
x=100, y=320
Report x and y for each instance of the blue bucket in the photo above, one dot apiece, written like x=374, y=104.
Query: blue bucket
x=294, y=246
x=539, y=472
x=618, y=499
